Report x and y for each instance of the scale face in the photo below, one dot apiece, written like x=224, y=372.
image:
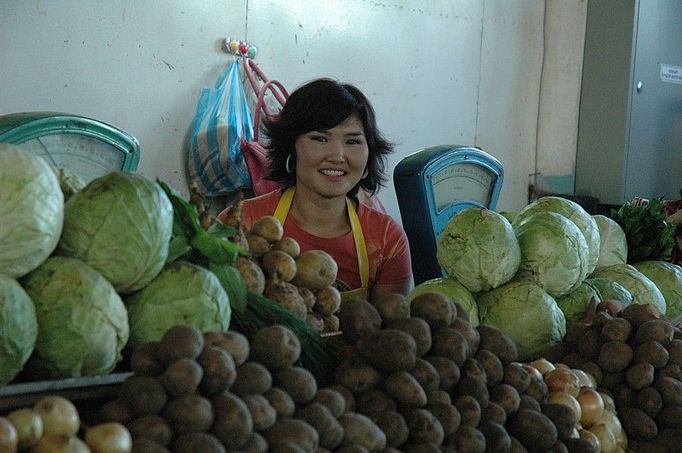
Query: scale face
x=88, y=147
x=432, y=185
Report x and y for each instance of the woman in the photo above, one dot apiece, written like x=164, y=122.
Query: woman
x=324, y=147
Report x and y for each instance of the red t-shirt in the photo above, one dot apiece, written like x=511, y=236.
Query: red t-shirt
x=387, y=246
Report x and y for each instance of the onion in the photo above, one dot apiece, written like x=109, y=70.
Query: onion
x=609, y=405
x=591, y=405
x=590, y=437
x=532, y=371
x=59, y=415
x=567, y=400
x=585, y=379
x=612, y=422
x=29, y=426
x=542, y=365
x=111, y=437
x=55, y=443
x=9, y=439
x=607, y=440
x=562, y=380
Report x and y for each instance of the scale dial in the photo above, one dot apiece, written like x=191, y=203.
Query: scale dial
x=462, y=182
x=88, y=157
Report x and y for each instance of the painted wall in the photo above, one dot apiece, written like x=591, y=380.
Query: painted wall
x=499, y=74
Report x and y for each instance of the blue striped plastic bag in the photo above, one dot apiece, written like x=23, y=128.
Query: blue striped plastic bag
x=215, y=161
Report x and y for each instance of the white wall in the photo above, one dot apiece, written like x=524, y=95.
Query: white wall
x=475, y=72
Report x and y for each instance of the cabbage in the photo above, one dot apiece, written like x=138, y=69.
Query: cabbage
x=575, y=304
x=82, y=322
x=553, y=252
x=18, y=328
x=183, y=293
x=643, y=290
x=452, y=289
x=610, y=290
x=31, y=209
x=526, y=313
x=573, y=212
x=120, y=224
x=668, y=279
x=613, y=245
x=479, y=249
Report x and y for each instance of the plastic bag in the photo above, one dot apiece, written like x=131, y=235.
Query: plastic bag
x=222, y=121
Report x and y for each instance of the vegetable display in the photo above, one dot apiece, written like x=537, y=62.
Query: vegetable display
x=18, y=328
x=31, y=208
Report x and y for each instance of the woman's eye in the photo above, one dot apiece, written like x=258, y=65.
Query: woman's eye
x=319, y=138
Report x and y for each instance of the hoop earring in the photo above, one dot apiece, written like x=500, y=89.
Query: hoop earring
x=288, y=165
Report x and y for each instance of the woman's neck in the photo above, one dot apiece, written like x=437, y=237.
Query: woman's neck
x=320, y=216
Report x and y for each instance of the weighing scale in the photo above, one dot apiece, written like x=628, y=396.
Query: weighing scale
x=432, y=185
x=88, y=147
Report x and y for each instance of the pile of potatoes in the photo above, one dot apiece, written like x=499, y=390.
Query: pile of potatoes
x=301, y=282
x=218, y=392
x=431, y=381
x=635, y=356
x=54, y=425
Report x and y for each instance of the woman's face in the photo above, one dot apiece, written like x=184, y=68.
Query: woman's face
x=332, y=162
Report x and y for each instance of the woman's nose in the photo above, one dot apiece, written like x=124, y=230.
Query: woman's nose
x=337, y=152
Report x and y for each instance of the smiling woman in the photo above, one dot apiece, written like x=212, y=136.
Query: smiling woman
x=325, y=148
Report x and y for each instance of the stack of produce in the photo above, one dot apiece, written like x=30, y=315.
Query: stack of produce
x=53, y=424
x=635, y=355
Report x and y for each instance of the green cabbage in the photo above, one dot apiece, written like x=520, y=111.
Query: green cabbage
x=183, y=293
x=643, y=290
x=611, y=290
x=613, y=245
x=82, y=322
x=575, y=304
x=18, y=328
x=668, y=279
x=479, y=249
x=31, y=209
x=573, y=212
x=120, y=224
x=526, y=313
x=451, y=288
x=554, y=253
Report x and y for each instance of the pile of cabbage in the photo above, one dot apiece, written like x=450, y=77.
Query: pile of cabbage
x=83, y=269
x=530, y=273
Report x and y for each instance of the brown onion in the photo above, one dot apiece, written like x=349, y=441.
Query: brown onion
x=59, y=415
x=567, y=400
x=590, y=437
x=562, y=380
x=9, y=439
x=29, y=426
x=543, y=365
x=591, y=406
x=111, y=437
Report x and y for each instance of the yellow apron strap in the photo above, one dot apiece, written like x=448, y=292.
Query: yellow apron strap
x=282, y=210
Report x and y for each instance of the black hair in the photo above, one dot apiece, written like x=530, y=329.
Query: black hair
x=318, y=105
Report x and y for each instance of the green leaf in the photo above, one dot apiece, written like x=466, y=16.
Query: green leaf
x=177, y=248
x=234, y=284
x=219, y=251
x=184, y=213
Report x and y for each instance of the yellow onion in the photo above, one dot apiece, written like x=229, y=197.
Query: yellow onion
x=110, y=437
x=591, y=438
x=59, y=415
x=543, y=365
x=29, y=426
x=607, y=440
x=562, y=380
x=567, y=400
x=591, y=406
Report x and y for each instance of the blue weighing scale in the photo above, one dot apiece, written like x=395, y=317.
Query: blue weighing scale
x=432, y=185
x=88, y=147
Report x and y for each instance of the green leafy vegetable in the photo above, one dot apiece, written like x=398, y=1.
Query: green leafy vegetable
x=19, y=328
x=649, y=235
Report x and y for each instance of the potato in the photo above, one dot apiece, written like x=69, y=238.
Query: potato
x=405, y=389
x=526, y=402
x=252, y=377
x=307, y=296
x=325, y=423
x=563, y=417
x=435, y=308
x=146, y=445
x=252, y=274
x=652, y=352
x=262, y=412
x=516, y=376
x=638, y=314
x=361, y=430
x=143, y=395
x=424, y=426
x=675, y=352
x=495, y=413
x=418, y=329
x=398, y=350
x=495, y=341
x=469, y=409
x=281, y=401
x=258, y=245
x=347, y=394
x=427, y=376
x=193, y=442
x=616, y=329
x=292, y=431
x=111, y=411
x=447, y=415
x=494, y=371
x=533, y=429
x=153, y=427
x=275, y=347
x=496, y=436
x=659, y=330
x=469, y=332
x=298, y=382
x=670, y=389
x=276, y=263
x=537, y=389
x=182, y=377
x=637, y=424
x=357, y=318
x=473, y=386
x=393, y=425
x=288, y=245
x=327, y=301
x=180, y=341
x=467, y=438
x=287, y=295
x=316, y=269
x=615, y=356
x=219, y=370
x=331, y=323
x=506, y=396
x=670, y=417
x=449, y=343
x=233, y=342
x=650, y=401
x=332, y=399
x=448, y=371
x=189, y=413
x=589, y=345
x=232, y=422
x=145, y=360
x=268, y=227
x=640, y=376
x=372, y=401
x=438, y=396
x=393, y=307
